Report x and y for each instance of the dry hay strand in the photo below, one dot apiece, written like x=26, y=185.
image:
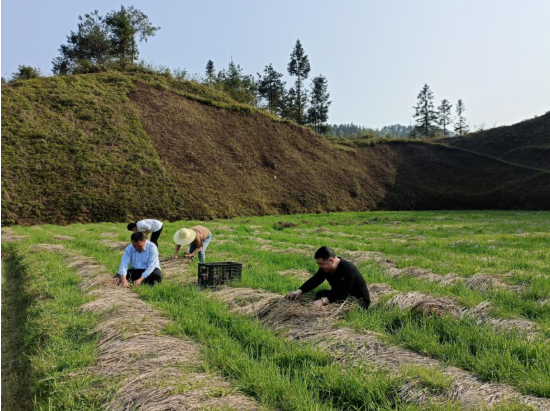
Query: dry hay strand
x=245, y=301
x=379, y=290
x=302, y=275
x=115, y=245
x=359, y=256
x=9, y=236
x=482, y=313
x=64, y=237
x=426, y=304
x=423, y=274
x=50, y=247
x=108, y=235
x=484, y=282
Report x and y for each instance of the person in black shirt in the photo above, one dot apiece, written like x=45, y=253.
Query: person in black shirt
x=344, y=278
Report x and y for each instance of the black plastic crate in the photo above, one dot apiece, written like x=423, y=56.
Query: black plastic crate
x=212, y=274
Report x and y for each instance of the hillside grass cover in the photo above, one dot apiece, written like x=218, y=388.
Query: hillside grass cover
x=282, y=374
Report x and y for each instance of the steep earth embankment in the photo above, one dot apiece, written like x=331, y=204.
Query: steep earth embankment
x=114, y=147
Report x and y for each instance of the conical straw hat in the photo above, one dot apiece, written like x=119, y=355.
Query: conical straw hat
x=184, y=236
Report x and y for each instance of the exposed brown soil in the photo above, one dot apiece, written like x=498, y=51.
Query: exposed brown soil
x=157, y=372
x=300, y=321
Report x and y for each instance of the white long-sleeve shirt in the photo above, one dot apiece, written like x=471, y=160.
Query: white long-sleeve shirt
x=147, y=260
x=149, y=225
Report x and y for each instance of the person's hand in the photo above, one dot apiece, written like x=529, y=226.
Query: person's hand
x=318, y=303
x=187, y=255
x=175, y=257
x=138, y=282
x=124, y=282
x=294, y=295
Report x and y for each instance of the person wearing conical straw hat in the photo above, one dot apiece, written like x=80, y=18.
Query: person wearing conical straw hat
x=198, y=238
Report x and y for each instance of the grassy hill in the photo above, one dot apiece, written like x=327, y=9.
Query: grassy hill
x=526, y=143
x=114, y=147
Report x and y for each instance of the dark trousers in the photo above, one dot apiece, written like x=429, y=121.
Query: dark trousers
x=365, y=302
x=134, y=274
x=155, y=236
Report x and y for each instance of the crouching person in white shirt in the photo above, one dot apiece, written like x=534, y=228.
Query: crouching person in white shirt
x=143, y=256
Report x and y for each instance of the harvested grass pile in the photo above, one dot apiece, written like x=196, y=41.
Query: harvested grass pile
x=63, y=237
x=9, y=236
x=303, y=322
x=425, y=305
x=115, y=245
x=156, y=371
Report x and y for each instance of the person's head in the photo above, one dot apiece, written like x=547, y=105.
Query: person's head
x=326, y=259
x=132, y=227
x=138, y=241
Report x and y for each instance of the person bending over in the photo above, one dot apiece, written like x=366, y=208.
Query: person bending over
x=344, y=278
x=143, y=256
x=198, y=238
x=148, y=226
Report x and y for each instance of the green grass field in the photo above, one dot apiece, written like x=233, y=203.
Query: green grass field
x=57, y=343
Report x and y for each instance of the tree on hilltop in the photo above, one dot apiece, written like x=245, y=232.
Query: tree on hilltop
x=86, y=50
x=25, y=73
x=240, y=87
x=271, y=88
x=424, y=113
x=210, y=72
x=461, y=126
x=317, y=113
x=444, y=115
x=299, y=67
x=124, y=26
x=100, y=42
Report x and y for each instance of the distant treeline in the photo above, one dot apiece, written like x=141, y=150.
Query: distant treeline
x=355, y=131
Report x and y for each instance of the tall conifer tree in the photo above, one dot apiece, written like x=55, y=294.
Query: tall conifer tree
x=424, y=113
x=444, y=115
x=299, y=67
x=271, y=88
x=317, y=113
x=461, y=126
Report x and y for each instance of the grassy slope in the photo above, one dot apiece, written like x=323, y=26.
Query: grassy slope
x=112, y=147
x=526, y=143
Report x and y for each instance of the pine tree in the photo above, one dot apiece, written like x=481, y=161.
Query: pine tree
x=287, y=105
x=87, y=50
x=444, y=115
x=461, y=127
x=124, y=25
x=299, y=67
x=271, y=88
x=210, y=72
x=424, y=113
x=239, y=86
x=318, y=111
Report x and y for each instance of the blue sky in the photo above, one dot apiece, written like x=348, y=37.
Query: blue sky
x=494, y=55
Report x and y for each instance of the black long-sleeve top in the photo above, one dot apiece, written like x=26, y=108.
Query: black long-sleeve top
x=345, y=281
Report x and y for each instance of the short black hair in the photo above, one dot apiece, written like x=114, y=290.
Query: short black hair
x=325, y=253
x=137, y=236
x=131, y=226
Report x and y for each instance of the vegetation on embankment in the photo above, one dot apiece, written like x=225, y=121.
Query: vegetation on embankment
x=115, y=147
x=49, y=341
x=526, y=143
